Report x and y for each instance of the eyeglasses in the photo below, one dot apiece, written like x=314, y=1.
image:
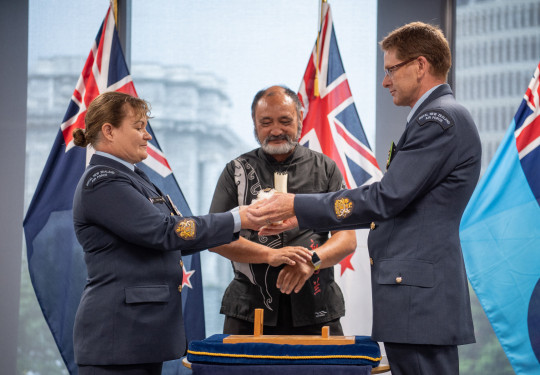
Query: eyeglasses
x=391, y=70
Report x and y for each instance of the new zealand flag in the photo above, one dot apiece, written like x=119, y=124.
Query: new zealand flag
x=332, y=126
x=55, y=258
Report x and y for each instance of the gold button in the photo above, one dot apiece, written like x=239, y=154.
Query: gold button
x=372, y=226
x=181, y=264
x=399, y=279
x=180, y=288
x=371, y=261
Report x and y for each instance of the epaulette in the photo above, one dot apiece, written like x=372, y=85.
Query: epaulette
x=97, y=175
x=436, y=115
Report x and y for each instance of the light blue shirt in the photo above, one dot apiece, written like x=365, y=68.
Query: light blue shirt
x=107, y=155
x=237, y=221
x=420, y=101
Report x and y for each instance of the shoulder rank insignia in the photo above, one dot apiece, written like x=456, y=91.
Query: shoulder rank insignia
x=391, y=154
x=343, y=208
x=438, y=116
x=186, y=229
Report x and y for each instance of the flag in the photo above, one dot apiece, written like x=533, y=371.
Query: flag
x=55, y=258
x=500, y=237
x=332, y=126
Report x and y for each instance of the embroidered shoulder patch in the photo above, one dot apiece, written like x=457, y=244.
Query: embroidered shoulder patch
x=343, y=207
x=186, y=229
x=98, y=175
x=438, y=116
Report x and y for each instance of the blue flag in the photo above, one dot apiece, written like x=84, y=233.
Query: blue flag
x=500, y=236
x=55, y=258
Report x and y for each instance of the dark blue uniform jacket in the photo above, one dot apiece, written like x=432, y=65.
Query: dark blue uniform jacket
x=420, y=290
x=131, y=308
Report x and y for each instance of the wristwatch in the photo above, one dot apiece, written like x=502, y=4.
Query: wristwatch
x=315, y=260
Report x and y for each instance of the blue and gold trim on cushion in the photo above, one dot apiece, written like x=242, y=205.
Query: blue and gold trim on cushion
x=212, y=350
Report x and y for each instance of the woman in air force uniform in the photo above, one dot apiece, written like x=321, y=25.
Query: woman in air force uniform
x=130, y=315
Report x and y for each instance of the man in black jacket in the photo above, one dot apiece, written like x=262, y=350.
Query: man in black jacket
x=258, y=282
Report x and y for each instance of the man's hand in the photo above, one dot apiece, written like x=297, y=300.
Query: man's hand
x=245, y=251
x=290, y=255
x=294, y=277
x=278, y=207
x=277, y=228
x=247, y=223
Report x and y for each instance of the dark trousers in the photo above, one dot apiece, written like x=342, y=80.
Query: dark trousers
x=138, y=369
x=284, y=326
x=412, y=359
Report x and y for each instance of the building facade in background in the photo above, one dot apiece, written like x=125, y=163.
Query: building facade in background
x=497, y=50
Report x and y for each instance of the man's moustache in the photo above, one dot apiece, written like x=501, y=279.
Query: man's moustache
x=278, y=138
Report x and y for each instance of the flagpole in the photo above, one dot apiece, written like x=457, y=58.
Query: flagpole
x=122, y=21
x=114, y=4
x=316, y=83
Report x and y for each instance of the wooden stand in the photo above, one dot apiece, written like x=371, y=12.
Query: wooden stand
x=323, y=339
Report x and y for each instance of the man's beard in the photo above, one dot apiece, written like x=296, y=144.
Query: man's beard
x=280, y=149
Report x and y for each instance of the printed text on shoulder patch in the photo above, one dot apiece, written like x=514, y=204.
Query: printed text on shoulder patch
x=438, y=116
x=98, y=175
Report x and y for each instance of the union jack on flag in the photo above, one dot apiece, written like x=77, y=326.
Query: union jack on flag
x=332, y=126
x=106, y=70
x=331, y=123
x=527, y=133
x=55, y=258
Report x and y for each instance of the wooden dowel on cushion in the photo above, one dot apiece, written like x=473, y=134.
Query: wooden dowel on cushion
x=258, y=323
x=325, y=332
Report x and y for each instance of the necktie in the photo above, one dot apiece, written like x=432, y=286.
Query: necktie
x=143, y=175
x=147, y=179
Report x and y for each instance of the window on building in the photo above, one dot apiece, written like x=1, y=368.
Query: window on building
x=516, y=17
x=535, y=45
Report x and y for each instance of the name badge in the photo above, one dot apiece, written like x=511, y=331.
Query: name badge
x=157, y=200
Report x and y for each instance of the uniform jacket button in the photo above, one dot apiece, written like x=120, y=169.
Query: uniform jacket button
x=372, y=226
x=371, y=261
x=399, y=279
x=180, y=288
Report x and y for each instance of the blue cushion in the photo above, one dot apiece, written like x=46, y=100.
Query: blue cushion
x=212, y=350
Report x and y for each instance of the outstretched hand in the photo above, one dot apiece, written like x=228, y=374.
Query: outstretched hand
x=246, y=221
x=279, y=227
x=279, y=207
